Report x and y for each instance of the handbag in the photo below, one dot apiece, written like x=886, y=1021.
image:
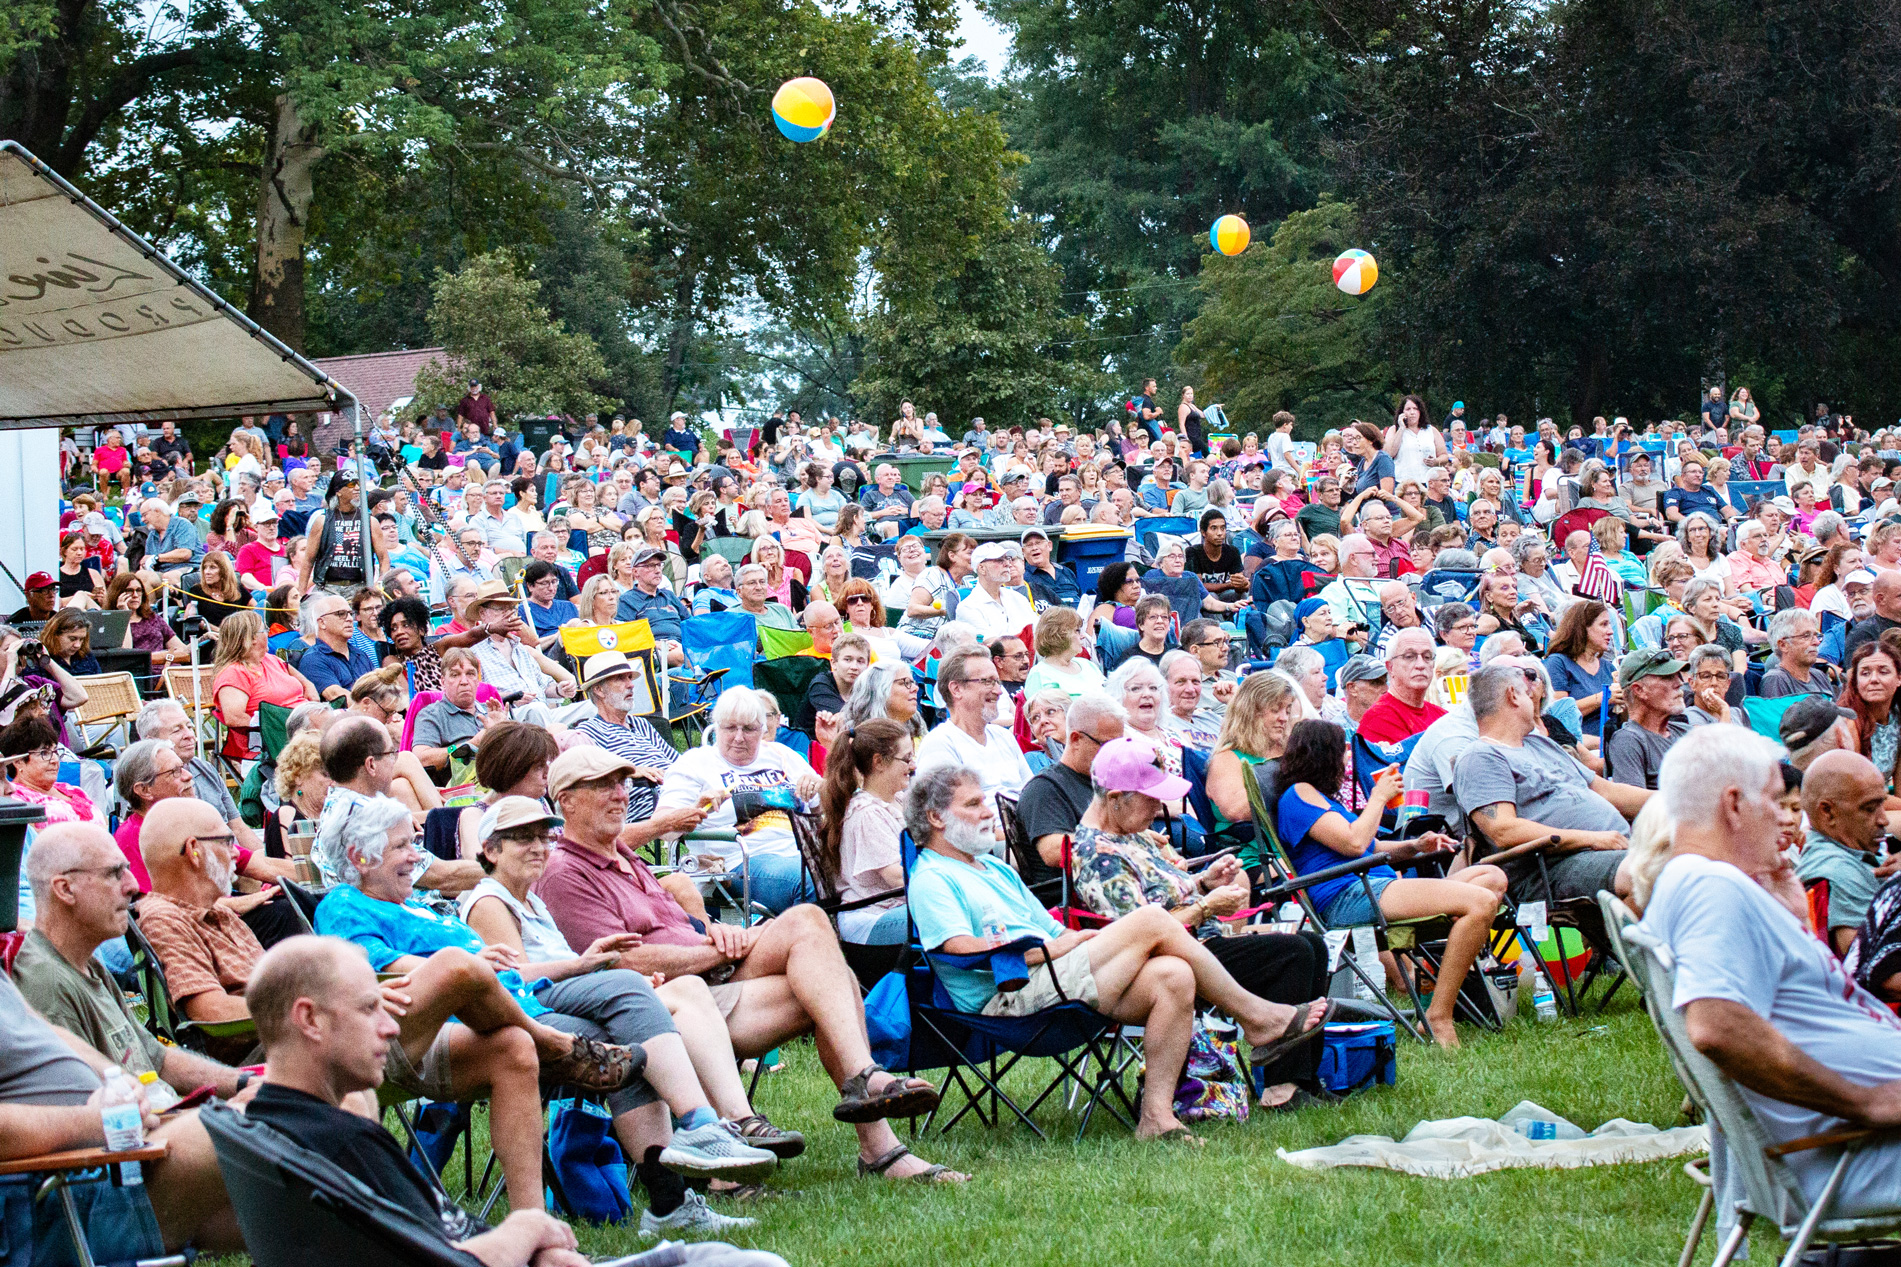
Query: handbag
x=590, y=1171
x=1214, y=1082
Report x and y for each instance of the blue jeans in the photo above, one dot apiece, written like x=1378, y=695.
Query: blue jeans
x=888, y=931
x=117, y=1220
x=778, y=882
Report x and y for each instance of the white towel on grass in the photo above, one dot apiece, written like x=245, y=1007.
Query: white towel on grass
x=1460, y=1147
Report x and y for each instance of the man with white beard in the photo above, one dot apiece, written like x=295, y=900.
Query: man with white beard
x=608, y=679
x=970, y=737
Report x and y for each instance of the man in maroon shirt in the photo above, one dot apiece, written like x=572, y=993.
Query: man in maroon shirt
x=476, y=407
x=1404, y=710
x=772, y=981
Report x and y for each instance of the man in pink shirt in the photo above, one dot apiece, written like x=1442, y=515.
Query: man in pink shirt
x=772, y=981
x=1750, y=567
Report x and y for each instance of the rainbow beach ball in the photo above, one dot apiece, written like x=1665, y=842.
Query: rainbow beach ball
x=1229, y=235
x=1355, y=272
x=803, y=108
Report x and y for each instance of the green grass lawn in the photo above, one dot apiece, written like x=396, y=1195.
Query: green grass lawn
x=1109, y=1200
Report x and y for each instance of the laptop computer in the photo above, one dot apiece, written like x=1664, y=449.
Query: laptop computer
x=108, y=627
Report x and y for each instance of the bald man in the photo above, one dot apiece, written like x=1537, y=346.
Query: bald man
x=1845, y=799
x=209, y=957
x=1404, y=711
x=1886, y=596
x=325, y=1035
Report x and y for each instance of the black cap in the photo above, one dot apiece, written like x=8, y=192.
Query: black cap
x=1808, y=719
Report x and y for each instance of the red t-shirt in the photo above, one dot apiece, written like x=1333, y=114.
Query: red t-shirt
x=1392, y=720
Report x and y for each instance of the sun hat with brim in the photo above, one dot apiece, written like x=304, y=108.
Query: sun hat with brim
x=603, y=665
x=491, y=592
x=1134, y=765
x=515, y=811
x=584, y=763
x=1648, y=662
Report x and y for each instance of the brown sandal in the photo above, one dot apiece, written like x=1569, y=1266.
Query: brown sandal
x=904, y=1097
x=595, y=1066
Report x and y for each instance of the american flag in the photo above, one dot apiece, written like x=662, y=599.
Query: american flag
x=1595, y=578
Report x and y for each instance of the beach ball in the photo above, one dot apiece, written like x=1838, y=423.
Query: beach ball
x=1229, y=235
x=803, y=108
x=1355, y=272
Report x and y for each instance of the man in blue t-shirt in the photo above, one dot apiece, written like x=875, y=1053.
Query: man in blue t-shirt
x=1144, y=412
x=1688, y=496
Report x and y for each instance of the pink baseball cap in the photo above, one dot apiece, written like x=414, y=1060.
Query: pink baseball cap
x=1133, y=765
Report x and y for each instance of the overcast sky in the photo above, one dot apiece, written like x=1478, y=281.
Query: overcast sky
x=983, y=39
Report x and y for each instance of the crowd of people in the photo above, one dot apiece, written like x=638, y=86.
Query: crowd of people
x=1515, y=633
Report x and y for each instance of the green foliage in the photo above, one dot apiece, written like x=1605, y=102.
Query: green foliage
x=1274, y=333
x=982, y=333
x=1143, y=121
x=493, y=325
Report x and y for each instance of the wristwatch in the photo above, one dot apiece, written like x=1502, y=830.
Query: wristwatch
x=244, y=1080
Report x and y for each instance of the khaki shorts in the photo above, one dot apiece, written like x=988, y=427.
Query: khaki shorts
x=1072, y=972
x=726, y=997
x=433, y=1081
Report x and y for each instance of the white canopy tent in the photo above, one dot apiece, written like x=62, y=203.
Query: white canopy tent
x=98, y=328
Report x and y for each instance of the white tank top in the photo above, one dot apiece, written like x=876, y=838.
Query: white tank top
x=1414, y=448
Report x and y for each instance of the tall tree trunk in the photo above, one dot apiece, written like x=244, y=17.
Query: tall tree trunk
x=679, y=335
x=285, y=189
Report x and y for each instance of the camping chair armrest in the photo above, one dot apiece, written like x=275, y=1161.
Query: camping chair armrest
x=1830, y=1139
x=727, y=835
x=242, y=1027
x=1525, y=850
x=1287, y=888
x=859, y=903
x=1009, y=963
x=82, y=1159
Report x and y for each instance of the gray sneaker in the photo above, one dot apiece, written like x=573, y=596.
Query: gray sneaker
x=714, y=1152
x=693, y=1215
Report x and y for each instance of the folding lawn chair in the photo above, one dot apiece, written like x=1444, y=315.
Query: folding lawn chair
x=1748, y=1171
x=162, y=1015
x=1043, y=881
x=1071, y=1034
x=1401, y=937
x=297, y=1208
x=36, y=1178
x=1579, y=914
x=868, y=963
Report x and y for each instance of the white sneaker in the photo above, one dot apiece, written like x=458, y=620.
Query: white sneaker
x=714, y=1151
x=693, y=1215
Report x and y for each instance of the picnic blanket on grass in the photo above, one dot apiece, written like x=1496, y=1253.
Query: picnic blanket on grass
x=1460, y=1147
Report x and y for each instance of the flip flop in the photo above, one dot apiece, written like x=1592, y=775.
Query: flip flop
x=1294, y=1035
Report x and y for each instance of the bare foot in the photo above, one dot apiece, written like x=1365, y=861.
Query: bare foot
x=1274, y=1031
x=1171, y=1130
x=1277, y=1095
x=1443, y=1032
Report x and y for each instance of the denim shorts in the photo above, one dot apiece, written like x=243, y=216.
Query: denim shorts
x=117, y=1218
x=1350, y=909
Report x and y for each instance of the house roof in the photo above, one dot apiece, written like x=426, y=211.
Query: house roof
x=379, y=379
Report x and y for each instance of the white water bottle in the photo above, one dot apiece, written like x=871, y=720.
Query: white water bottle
x=1543, y=999
x=119, y=1112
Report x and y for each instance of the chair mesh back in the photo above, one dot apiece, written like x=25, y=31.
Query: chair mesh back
x=298, y=1209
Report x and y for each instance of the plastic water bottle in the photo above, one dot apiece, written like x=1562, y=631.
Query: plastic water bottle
x=995, y=934
x=119, y=1112
x=1543, y=999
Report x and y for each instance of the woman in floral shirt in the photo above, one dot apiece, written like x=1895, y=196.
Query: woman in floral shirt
x=1117, y=865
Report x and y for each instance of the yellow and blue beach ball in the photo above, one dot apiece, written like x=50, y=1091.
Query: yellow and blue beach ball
x=803, y=108
x=1229, y=235
x=1355, y=272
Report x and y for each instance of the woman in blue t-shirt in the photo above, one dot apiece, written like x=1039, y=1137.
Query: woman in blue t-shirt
x=1318, y=832
x=1363, y=441
x=1579, y=660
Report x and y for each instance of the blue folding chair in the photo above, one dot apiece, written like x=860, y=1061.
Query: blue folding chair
x=1443, y=585
x=1279, y=581
x=987, y=1048
x=1234, y=835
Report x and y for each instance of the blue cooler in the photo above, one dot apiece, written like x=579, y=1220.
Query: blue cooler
x=1090, y=555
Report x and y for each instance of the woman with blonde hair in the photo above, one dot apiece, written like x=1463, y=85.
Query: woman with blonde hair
x=598, y=599
x=1058, y=640
x=219, y=592
x=1324, y=551
x=1883, y=547
x=1650, y=834
x=770, y=555
x=246, y=674
x=1254, y=733
x=834, y=563
x=620, y=565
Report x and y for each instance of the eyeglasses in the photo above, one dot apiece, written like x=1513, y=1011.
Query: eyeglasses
x=115, y=873
x=227, y=838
